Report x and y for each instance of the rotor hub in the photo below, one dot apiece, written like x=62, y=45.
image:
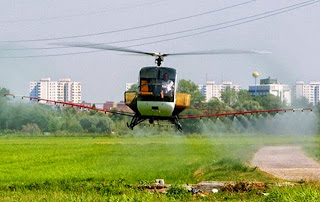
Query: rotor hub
x=159, y=60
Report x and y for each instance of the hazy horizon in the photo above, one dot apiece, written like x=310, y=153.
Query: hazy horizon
x=292, y=37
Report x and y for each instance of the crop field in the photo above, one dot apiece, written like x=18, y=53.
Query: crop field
x=104, y=168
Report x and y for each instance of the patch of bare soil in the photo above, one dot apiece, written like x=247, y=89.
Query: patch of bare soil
x=287, y=162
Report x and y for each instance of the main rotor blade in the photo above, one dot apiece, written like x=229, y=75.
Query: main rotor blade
x=103, y=47
x=217, y=52
x=122, y=49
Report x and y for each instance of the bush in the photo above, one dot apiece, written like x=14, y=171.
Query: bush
x=178, y=192
x=31, y=128
x=233, y=165
x=94, y=124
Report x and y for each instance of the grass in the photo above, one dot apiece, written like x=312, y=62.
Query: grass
x=101, y=168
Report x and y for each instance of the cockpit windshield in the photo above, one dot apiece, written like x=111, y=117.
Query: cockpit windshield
x=157, y=84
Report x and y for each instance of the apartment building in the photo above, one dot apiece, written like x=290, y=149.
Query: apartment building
x=212, y=90
x=309, y=91
x=63, y=90
x=271, y=86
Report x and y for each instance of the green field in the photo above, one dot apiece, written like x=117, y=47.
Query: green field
x=102, y=168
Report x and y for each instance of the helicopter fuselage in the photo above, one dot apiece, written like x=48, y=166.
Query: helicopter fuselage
x=157, y=95
x=155, y=108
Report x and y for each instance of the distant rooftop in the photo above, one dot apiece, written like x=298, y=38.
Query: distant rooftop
x=314, y=83
x=45, y=79
x=65, y=80
x=268, y=81
x=222, y=83
x=210, y=82
x=311, y=83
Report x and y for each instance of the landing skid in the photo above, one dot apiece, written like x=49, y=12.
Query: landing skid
x=177, y=123
x=136, y=120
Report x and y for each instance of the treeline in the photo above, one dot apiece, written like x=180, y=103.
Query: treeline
x=230, y=101
x=36, y=118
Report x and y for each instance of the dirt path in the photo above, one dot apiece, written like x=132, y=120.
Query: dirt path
x=287, y=162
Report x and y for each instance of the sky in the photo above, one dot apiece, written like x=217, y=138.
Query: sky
x=292, y=37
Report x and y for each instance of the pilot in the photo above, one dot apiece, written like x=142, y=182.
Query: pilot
x=167, y=86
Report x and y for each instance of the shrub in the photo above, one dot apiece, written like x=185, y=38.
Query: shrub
x=31, y=128
x=178, y=192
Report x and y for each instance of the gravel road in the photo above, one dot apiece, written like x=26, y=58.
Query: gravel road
x=287, y=162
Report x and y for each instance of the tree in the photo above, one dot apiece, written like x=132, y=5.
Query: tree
x=37, y=114
x=250, y=105
x=301, y=102
x=70, y=111
x=229, y=96
x=243, y=96
x=16, y=116
x=270, y=102
x=94, y=124
x=318, y=109
x=3, y=109
x=134, y=87
x=89, y=124
x=71, y=124
x=187, y=86
x=54, y=124
x=105, y=124
x=31, y=128
x=243, y=101
x=216, y=104
x=116, y=117
x=3, y=91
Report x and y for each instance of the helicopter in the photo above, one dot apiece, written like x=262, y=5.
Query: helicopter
x=157, y=98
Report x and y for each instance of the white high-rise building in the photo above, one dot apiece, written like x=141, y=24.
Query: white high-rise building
x=212, y=90
x=64, y=90
x=271, y=86
x=309, y=91
x=45, y=89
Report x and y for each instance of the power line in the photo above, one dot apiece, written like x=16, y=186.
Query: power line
x=306, y=3
x=173, y=33
x=82, y=14
x=225, y=27
x=285, y=10
x=130, y=28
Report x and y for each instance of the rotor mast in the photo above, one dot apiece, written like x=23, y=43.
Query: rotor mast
x=159, y=60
